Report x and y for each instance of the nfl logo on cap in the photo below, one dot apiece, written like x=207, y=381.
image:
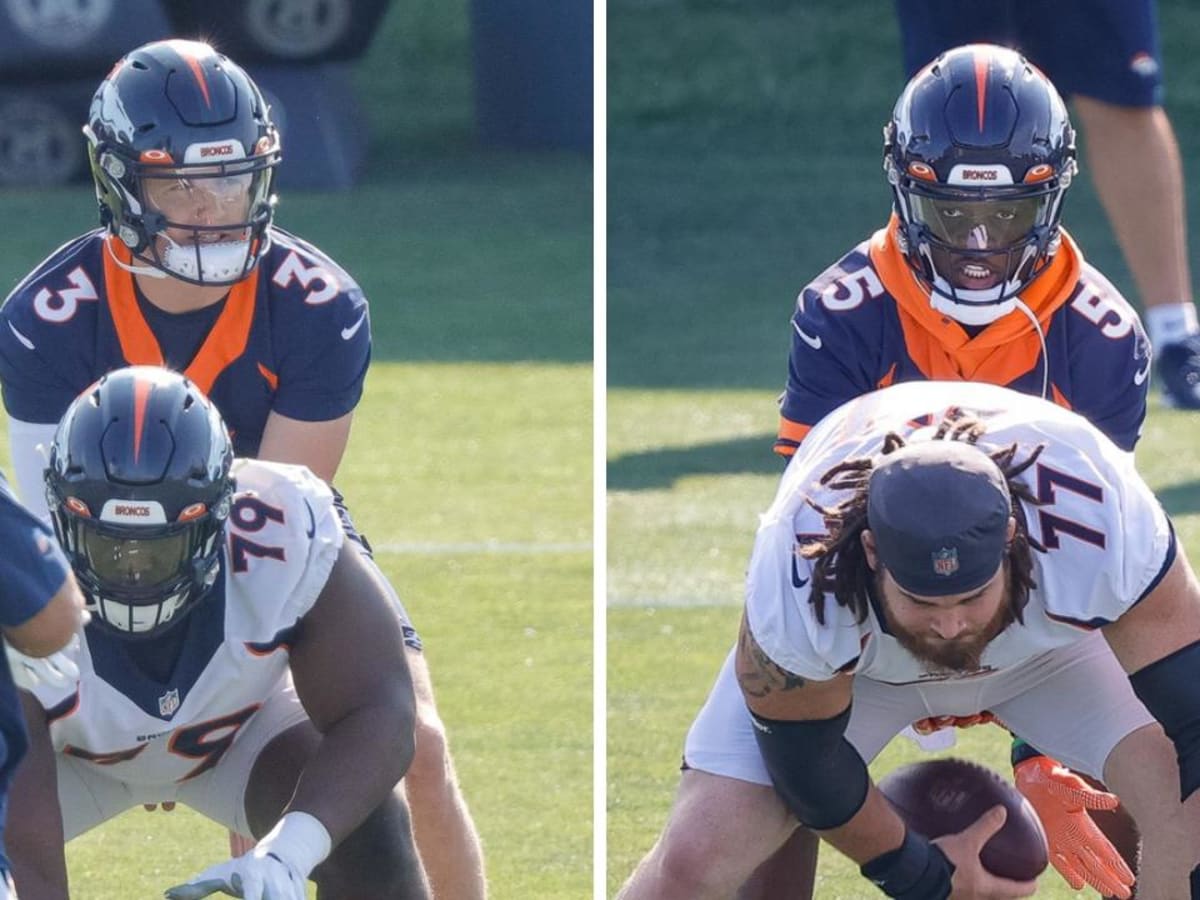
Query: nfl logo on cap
x=945, y=561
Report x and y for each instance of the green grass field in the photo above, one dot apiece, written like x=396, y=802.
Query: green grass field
x=744, y=157
x=470, y=462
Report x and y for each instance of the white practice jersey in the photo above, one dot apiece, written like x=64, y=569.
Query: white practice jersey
x=281, y=542
x=1107, y=540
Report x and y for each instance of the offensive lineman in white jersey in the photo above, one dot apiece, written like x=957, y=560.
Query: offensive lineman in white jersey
x=239, y=660
x=944, y=549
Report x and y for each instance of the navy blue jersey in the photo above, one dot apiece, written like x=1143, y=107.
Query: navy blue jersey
x=1106, y=49
x=293, y=337
x=867, y=322
x=32, y=570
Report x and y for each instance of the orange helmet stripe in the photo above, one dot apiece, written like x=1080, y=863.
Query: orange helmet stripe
x=141, y=396
x=981, y=73
x=187, y=54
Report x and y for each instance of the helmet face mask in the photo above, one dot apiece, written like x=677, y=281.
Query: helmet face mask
x=139, y=491
x=979, y=153
x=183, y=155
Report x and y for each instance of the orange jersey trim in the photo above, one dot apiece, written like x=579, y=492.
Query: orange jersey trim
x=941, y=348
x=225, y=343
x=790, y=434
x=1059, y=397
x=271, y=378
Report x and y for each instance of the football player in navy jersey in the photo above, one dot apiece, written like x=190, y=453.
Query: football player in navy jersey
x=242, y=658
x=1105, y=57
x=188, y=271
x=974, y=279
x=40, y=607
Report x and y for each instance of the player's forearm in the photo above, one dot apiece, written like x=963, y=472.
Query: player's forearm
x=32, y=884
x=360, y=759
x=1168, y=853
x=874, y=830
x=33, y=835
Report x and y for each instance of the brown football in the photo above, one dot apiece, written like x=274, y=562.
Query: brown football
x=944, y=796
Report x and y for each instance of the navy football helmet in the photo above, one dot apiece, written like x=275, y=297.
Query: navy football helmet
x=139, y=490
x=979, y=152
x=183, y=155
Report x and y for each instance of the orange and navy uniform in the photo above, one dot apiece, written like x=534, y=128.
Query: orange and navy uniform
x=292, y=337
x=867, y=322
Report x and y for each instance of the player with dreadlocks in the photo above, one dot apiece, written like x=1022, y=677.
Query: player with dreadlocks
x=1006, y=559
x=852, y=581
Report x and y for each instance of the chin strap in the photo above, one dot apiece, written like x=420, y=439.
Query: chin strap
x=968, y=314
x=1037, y=327
x=133, y=270
x=218, y=263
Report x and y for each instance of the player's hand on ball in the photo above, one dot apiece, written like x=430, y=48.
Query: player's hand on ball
x=55, y=670
x=971, y=879
x=258, y=875
x=1078, y=848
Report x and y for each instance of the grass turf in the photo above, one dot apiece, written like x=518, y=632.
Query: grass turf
x=470, y=461
x=744, y=157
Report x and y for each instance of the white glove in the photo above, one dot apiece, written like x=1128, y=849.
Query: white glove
x=56, y=670
x=254, y=876
x=276, y=869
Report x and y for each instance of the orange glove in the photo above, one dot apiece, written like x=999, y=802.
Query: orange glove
x=1078, y=848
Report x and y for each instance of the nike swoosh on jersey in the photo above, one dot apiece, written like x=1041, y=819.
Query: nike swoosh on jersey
x=311, y=531
x=20, y=337
x=814, y=342
x=348, y=333
x=797, y=581
x=1140, y=377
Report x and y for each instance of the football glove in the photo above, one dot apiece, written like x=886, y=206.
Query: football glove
x=255, y=876
x=276, y=869
x=55, y=670
x=1078, y=848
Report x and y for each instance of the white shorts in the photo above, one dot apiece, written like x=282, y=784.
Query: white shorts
x=1073, y=703
x=89, y=796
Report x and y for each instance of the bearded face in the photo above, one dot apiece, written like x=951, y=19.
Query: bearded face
x=947, y=633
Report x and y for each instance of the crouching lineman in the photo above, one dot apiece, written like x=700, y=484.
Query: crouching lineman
x=945, y=549
x=241, y=660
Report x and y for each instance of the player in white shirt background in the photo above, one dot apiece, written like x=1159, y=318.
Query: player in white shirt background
x=242, y=659
x=1016, y=564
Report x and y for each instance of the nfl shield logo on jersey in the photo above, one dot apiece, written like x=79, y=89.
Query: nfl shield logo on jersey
x=168, y=702
x=945, y=561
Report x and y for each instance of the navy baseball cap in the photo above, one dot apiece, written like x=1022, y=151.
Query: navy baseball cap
x=939, y=512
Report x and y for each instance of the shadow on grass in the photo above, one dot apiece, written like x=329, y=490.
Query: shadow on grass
x=656, y=469
x=1181, y=499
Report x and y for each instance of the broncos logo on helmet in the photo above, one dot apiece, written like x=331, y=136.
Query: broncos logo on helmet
x=979, y=153
x=139, y=489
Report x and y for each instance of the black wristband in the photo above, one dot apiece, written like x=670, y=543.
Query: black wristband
x=916, y=870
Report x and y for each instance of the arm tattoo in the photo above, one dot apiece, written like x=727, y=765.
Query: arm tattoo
x=757, y=673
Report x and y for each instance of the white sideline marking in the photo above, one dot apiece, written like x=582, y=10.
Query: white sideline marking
x=431, y=548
